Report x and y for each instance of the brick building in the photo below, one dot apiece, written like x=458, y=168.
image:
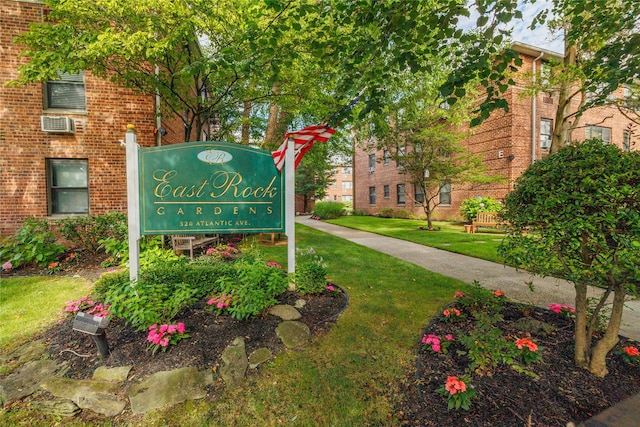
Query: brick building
x=60, y=151
x=507, y=142
x=341, y=190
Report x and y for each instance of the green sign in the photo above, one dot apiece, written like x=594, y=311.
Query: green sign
x=208, y=188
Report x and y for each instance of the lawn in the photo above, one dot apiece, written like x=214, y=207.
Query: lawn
x=29, y=304
x=349, y=376
x=450, y=236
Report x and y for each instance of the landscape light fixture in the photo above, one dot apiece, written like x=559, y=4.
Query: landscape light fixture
x=94, y=326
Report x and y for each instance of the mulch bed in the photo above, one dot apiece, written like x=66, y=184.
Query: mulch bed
x=561, y=392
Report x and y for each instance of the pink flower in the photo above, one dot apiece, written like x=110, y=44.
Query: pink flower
x=163, y=328
x=7, y=266
x=449, y=337
x=273, y=264
x=164, y=342
x=172, y=328
x=455, y=385
x=153, y=327
x=632, y=351
x=446, y=313
x=330, y=288
x=181, y=328
x=526, y=342
x=458, y=295
x=498, y=293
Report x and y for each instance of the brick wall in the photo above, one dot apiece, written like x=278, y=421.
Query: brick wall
x=24, y=147
x=504, y=141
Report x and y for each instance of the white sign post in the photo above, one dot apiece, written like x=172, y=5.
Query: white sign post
x=290, y=206
x=133, y=202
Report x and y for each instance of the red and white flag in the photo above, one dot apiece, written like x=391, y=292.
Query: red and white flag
x=304, y=140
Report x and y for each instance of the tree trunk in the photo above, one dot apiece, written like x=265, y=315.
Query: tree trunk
x=598, y=362
x=561, y=126
x=246, y=123
x=581, y=350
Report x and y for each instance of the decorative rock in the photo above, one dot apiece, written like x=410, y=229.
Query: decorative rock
x=97, y=396
x=259, y=356
x=168, y=388
x=285, y=312
x=57, y=407
x=300, y=303
x=533, y=326
x=293, y=334
x=24, y=353
x=118, y=374
x=27, y=380
x=235, y=363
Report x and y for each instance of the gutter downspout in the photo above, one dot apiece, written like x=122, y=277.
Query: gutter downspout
x=534, y=112
x=158, y=117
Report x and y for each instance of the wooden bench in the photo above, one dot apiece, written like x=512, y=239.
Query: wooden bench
x=184, y=242
x=484, y=219
x=270, y=237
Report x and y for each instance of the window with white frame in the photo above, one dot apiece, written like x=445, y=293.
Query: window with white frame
x=347, y=198
x=386, y=156
x=347, y=185
x=545, y=133
x=598, y=132
x=401, y=153
x=372, y=195
x=445, y=194
x=400, y=194
x=626, y=140
x=68, y=186
x=386, y=192
x=66, y=93
x=372, y=162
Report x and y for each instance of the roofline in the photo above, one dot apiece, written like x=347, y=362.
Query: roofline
x=534, y=51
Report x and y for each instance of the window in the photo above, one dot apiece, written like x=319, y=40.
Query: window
x=68, y=186
x=347, y=170
x=626, y=140
x=401, y=153
x=386, y=191
x=335, y=197
x=347, y=185
x=347, y=198
x=372, y=162
x=445, y=194
x=545, y=133
x=372, y=195
x=418, y=195
x=66, y=93
x=401, y=194
x=386, y=156
x=598, y=132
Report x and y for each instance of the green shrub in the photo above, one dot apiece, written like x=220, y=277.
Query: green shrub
x=144, y=303
x=328, y=210
x=402, y=213
x=200, y=275
x=470, y=207
x=386, y=213
x=33, y=243
x=86, y=232
x=253, y=287
x=359, y=213
x=109, y=281
x=311, y=272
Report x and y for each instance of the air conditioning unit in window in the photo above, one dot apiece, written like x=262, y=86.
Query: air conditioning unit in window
x=545, y=143
x=57, y=124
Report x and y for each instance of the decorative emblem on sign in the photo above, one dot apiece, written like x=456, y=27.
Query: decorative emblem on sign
x=214, y=157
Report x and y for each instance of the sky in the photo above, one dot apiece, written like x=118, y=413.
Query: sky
x=540, y=37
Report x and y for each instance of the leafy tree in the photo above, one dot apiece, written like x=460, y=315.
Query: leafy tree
x=581, y=210
x=601, y=53
x=313, y=175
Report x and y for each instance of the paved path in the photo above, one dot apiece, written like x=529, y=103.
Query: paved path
x=548, y=290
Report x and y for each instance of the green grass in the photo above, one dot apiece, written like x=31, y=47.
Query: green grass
x=29, y=304
x=352, y=375
x=451, y=236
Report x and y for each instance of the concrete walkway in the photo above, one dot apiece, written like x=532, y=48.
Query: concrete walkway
x=548, y=290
